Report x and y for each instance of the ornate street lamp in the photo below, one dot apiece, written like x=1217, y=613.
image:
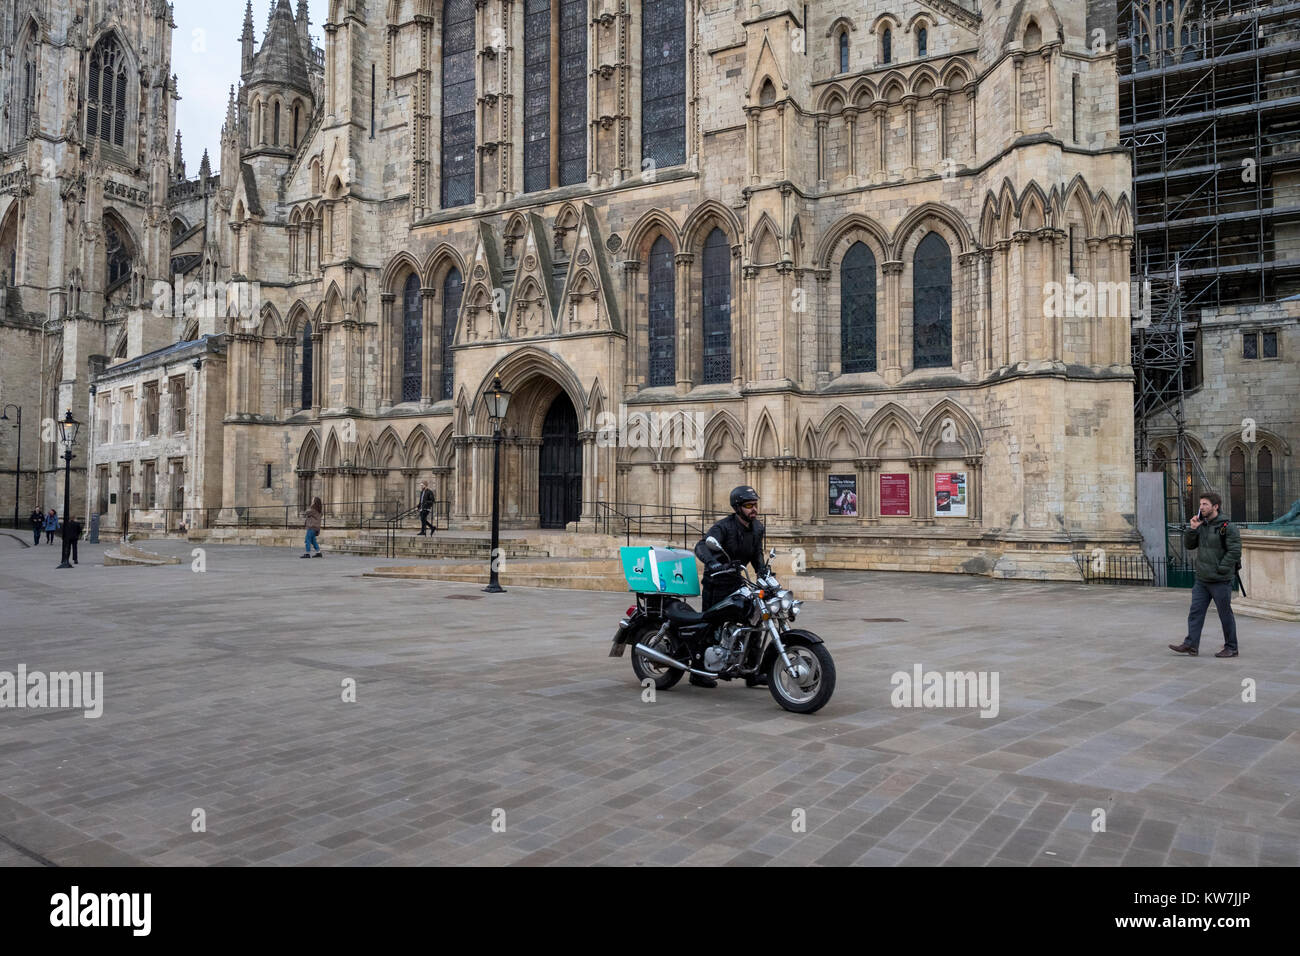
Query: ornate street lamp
x=18, y=466
x=68, y=428
x=497, y=399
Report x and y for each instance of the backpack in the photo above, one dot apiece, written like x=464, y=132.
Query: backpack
x=1223, y=539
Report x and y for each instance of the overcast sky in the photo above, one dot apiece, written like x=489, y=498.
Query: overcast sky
x=205, y=56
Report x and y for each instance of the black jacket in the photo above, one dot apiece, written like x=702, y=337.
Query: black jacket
x=426, y=499
x=742, y=544
x=37, y=520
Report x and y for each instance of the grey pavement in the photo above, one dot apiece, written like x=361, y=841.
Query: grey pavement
x=223, y=693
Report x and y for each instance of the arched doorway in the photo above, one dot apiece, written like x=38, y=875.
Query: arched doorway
x=559, y=476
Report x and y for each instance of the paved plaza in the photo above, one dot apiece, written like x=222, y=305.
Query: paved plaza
x=223, y=692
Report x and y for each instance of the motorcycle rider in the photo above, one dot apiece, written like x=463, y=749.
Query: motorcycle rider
x=741, y=536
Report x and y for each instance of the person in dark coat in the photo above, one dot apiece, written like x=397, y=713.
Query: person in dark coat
x=37, y=520
x=741, y=536
x=71, y=535
x=427, y=501
x=1217, y=544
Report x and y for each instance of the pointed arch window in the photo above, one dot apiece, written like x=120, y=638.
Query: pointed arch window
x=663, y=82
x=452, y=289
x=887, y=46
x=1264, y=481
x=844, y=51
x=25, y=92
x=663, y=315
x=275, y=124
x=305, y=370
x=932, y=304
x=858, y=310
x=118, y=252
x=106, y=95
x=457, y=103
x=297, y=112
x=923, y=42
x=537, y=95
x=716, y=287
x=573, y=92
x=412, y=338
x=1237, y=485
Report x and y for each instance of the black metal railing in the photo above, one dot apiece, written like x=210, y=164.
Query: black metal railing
x=1097, y=567
x=338, y=516
x=685, y=524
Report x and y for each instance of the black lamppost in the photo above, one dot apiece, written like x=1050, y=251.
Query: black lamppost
x=68, y=428
x=497, y=399
x=18, y=466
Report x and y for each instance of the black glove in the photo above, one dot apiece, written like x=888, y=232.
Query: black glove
x=714, y=567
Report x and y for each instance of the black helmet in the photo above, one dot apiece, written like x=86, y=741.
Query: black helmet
x=741, y=494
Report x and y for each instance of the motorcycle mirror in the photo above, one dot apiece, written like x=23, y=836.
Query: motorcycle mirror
x=713, y=543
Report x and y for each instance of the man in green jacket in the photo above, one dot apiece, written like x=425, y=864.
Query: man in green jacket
x=1217, y=544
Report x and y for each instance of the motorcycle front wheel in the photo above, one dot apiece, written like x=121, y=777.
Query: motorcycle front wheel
x=808, y=690
x=663, y=676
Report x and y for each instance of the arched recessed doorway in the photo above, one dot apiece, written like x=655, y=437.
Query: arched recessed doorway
x=559, y=476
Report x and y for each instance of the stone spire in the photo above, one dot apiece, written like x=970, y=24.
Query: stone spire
x=304, y=22
x=281, y=60
x=178, y=161
x=247, y=40
x=205, y=168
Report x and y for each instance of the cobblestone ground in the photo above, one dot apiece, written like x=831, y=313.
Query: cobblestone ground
x=223, y=693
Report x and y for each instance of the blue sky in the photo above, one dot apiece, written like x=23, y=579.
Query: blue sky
x=205, y=57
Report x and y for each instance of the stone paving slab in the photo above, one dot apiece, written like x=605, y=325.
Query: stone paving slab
x=223, y=692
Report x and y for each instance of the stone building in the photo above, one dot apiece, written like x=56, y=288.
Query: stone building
x=819, y=248
x=85, y=127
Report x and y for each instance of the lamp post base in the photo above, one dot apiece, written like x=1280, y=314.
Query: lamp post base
x=494, y=588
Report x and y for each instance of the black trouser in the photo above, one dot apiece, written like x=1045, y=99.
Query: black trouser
x=49, y=537
x=425, y=522
x=36, y=536
x=1221, y=593
x=70, y=547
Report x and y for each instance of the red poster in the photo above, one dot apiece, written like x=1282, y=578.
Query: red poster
x=895, y=494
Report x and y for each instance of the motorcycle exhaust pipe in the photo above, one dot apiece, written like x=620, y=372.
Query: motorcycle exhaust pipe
x=654, y=655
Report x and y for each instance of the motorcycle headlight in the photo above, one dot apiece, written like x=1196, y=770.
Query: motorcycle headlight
x=785, y=604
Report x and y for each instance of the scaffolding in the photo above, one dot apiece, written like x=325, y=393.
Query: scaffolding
x=1210, y=113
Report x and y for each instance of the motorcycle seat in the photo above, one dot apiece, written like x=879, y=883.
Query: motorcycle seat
x=681, y=613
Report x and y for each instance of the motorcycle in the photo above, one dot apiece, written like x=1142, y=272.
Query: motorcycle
x=746, y=635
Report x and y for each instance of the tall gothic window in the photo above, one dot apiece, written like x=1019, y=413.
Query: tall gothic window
x=452, y=287
x=844, y=51
x=663, y=315
x=457, y=103
x=1237, y=485
x=106, y=97
x=1264, y=478
x=717, y=308
x=24, y=93
x=887, y=46
x=663, y=82
x=573, y=92
x=118, y=252
x=922, y=42
x=932, y=304
x=537, y=95
x=858, y=310
x=412, y=338
x=275, y=125
x=306, y=370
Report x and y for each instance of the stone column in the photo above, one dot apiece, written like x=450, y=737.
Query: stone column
x=751, y=142
x=823, y=376
x=664, y=471
x=1018, y=62
x=685, y=346
x=621, y=470
x=1048, y=87
x=704, y=470
x=975, y=487
x=1123, y=331
x=868, y=491
x=818, y=469
x=923, y=479
x=879, y=174
x=821, y=152
x=387, y=352
x=428, y=343
x=970, y=91
x=637, y=367
x=966, y=358
x=909, y=105
x=893, y=272
x=941, y=103
x=851, y=131
x=1016, y=281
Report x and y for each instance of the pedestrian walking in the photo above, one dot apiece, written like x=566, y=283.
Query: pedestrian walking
x=71, y=535
x=51, y=526
x=312, y=522
x=1217, y=544
x=427, y=501
x=37, y=520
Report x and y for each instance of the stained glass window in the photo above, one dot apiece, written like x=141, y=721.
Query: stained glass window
x=306, y=365
x=452, y=287
x=457, y=103
x=106, y=100
x=663, y=82
x=1264, y=476
x=663, y=315
x=537, y=95
x=717, y=308
x=573, y=92
x=858, y=310
x=932, y=304
x=1237, y=485
x=412, y=339
x=119, y=255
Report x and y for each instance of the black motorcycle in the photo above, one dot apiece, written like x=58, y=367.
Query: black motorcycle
x=746, y=635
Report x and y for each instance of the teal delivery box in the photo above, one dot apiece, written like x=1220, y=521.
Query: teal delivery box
x=660, y=571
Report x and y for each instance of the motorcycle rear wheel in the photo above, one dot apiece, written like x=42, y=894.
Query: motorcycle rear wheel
x=810, y=693
x=663, y=676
